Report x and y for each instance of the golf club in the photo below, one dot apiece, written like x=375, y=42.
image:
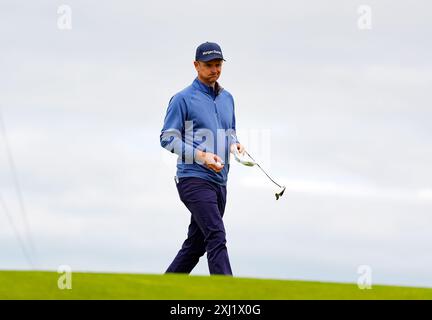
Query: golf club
x=247, y=162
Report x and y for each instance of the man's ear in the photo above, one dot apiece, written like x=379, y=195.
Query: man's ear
x=196, y=64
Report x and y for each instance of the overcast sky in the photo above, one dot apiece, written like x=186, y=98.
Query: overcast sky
x=340, y=115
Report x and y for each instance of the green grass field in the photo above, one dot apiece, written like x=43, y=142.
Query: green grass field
x=43, y=285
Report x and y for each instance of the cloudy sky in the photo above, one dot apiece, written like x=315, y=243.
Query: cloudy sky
x=340, y=114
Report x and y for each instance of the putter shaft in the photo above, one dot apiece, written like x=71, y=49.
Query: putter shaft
x=263, y=170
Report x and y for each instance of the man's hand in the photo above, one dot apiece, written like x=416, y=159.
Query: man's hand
x=210, y=160
x=240, y=148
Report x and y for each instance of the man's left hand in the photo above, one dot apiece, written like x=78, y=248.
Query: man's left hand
x=240, y=148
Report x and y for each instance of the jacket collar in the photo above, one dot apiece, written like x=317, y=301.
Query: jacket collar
x=207, y=89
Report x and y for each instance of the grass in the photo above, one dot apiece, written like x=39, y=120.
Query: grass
x=43, y=285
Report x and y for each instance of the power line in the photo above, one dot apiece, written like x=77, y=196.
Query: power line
x=16, y=232
x=17, y=185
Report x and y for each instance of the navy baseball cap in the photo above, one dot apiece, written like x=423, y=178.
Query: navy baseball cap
x=208, y=51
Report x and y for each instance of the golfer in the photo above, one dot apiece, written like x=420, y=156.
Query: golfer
x=199, y=127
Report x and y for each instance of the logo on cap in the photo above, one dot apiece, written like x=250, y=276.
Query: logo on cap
x=212, y=51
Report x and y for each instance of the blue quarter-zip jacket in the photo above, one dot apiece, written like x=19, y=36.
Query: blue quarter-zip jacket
x=203, y=118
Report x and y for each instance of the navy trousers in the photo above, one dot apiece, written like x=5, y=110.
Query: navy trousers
x=206, y=202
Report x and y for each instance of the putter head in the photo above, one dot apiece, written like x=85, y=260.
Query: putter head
x=280, y=193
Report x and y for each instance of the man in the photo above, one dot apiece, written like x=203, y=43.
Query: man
x=199, y=127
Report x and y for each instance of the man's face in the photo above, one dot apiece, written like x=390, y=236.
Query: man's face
x=209, y=71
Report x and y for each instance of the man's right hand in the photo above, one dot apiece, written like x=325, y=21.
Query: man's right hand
x=210, y=160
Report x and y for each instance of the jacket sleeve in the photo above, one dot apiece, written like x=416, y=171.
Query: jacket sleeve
x=234, y=138
x=171, y=137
